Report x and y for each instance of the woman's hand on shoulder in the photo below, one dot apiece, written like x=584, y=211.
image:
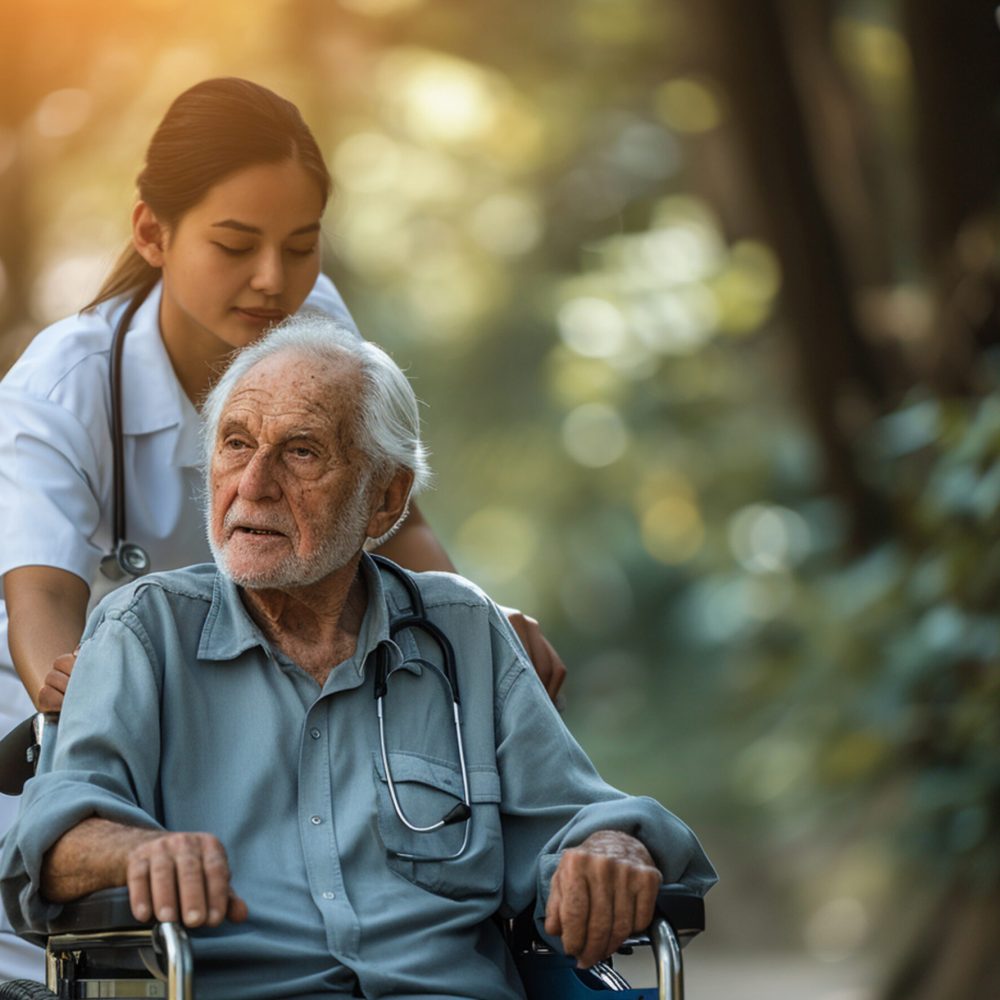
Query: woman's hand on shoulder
x=547, y=662
x=53, y=689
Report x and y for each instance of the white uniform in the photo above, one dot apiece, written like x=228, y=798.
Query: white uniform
x=56, y=477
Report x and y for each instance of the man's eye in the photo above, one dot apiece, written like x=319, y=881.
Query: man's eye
x=234, y=444
x=232, y=251
x=301, y=451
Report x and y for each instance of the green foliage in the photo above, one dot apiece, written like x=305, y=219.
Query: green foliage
x=898, y=652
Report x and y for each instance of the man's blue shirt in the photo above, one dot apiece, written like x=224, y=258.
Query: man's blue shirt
x=180, y=714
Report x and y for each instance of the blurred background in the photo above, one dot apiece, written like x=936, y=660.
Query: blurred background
x=702, y=300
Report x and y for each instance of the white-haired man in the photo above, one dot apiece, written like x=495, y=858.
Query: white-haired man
x=221, y=735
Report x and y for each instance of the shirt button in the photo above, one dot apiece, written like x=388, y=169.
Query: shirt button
x=314, y=733
x=329, y=895
x=315, y=820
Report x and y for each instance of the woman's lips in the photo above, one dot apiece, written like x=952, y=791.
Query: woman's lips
x=262, y=317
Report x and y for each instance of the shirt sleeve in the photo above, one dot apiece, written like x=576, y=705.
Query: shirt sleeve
x=103, y=761
x=553, y=799
x=327, y=299
x=49, y=507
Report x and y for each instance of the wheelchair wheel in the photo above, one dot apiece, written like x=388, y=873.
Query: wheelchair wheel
x=25, y=989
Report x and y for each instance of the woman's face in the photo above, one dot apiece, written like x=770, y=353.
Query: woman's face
x=245, y=257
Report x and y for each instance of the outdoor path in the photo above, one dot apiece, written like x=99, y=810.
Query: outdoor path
x=727, y=976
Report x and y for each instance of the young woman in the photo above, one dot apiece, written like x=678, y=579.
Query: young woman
x=225, y=242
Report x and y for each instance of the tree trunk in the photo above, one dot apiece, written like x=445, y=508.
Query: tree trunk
x=840, y=380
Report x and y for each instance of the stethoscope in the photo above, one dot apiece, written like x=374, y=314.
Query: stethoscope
x=125, y=558
x=417, y=619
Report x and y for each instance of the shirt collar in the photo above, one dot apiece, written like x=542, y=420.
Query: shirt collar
x=152, y=398
x=229, y=630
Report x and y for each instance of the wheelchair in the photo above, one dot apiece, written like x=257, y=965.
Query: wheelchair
x=96, y=947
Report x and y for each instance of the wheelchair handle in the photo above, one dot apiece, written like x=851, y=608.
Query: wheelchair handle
x=19, y=754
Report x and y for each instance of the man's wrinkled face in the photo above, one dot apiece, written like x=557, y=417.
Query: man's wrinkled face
x=288, y=501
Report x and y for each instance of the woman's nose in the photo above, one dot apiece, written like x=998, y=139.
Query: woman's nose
x=269, y=273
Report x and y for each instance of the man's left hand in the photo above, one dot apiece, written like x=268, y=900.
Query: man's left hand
x=602, y=892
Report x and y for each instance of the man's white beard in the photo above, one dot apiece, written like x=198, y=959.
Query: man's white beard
x=342, y=544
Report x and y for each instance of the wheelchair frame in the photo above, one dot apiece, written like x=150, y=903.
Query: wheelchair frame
x=77, y=952
x=130, y=960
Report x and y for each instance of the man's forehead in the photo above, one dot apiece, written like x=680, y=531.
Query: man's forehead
x=294, y=386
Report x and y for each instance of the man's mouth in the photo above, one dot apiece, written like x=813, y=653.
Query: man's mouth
x=246, y=529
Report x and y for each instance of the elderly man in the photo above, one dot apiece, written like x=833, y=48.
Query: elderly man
x=369, y=841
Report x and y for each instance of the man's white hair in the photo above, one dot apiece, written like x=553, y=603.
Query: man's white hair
x=386, y=418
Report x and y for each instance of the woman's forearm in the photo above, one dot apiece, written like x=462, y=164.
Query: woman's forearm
x=46, y=610
x=416, y=547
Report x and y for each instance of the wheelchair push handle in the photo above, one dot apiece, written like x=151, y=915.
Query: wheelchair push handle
x=19, y=750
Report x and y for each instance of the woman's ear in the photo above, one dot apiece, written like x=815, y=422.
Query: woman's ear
x=148, y=235
x=391, y=504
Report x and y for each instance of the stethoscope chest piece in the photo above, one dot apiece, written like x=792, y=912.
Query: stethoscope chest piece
x=126, y=559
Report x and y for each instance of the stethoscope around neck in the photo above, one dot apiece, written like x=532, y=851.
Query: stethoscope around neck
x=447, y=675
x=126, y=559
x=129, y=559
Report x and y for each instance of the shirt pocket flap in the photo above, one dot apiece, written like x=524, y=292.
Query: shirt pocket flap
x=423, y=770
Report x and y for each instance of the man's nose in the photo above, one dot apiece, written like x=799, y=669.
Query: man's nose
x=258, y=480
x=269, y=272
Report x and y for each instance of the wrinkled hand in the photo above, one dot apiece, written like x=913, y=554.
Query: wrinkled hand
x=53, y=689
x=603, y=891
x=182, y=876
x=546, y=661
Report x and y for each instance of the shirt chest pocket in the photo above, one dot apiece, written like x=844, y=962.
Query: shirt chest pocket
x=459, y=860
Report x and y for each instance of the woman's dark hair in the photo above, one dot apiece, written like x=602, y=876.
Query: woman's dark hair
x=212, y=130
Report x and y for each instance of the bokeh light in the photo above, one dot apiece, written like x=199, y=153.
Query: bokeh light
x=672, y=529
x=507, y=223
x=595, y=435
x=497, y=543
x=688, y=105
x=593, y=327
x=66, y=285
x=63, y=112
x=767, y=538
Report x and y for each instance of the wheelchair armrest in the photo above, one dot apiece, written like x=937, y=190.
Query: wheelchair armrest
x=105, y=910
x=683, y=909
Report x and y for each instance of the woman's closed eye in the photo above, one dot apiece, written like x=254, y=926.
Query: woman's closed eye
x=231, y=250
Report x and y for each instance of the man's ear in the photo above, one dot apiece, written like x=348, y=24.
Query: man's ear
x=390, y=503
x=148, y=235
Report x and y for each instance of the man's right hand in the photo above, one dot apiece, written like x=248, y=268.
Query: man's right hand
x=53, y=689
x=185, y=877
